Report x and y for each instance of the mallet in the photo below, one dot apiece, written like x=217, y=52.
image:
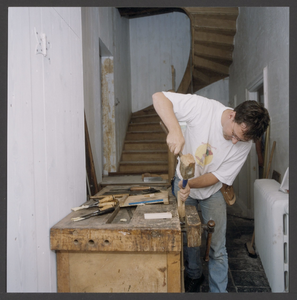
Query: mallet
x=187, y=170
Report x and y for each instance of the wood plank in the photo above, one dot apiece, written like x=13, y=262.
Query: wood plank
x=118, y=272
x=174, y=272
x=193, y=226
x=63, y=278
x=117, y=238
x=134, y=200
x=91, y=173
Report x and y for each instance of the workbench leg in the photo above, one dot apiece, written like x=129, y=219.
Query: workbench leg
x=173, y=267
x=63, y=278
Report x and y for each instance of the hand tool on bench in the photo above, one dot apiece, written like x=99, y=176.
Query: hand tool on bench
x=187, y=170
x=96, y=204
x=95, y=213
x=104, y=202
x=132, y=192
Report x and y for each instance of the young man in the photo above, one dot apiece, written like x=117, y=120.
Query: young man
x=220, y=139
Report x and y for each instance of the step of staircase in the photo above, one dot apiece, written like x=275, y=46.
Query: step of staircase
x=144, y=155
x=145, y=149
x=140, y=167
x=145, y=118
x=146, y=111
x=146, y=135
x=145, y=145
x=144, y=126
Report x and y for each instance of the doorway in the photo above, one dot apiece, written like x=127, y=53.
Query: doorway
x=256, y=90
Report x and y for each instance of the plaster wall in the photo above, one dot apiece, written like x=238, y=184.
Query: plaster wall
x=157, y=43
x=106, y=37
x=218, y=91
x=262, y=42
x=45, y=139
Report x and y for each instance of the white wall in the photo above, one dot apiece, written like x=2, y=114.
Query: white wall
x=46, y=149
x=262, y=41
x=218, y=90
x=106, y=34
x=156, y=43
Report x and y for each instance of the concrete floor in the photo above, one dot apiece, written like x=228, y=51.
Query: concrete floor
x=246, y=274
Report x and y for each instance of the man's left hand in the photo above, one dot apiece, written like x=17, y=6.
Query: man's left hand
x=184, y=193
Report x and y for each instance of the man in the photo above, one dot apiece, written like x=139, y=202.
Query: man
x=220, y=139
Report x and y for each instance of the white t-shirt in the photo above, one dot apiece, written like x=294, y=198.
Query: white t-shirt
x=205, y=141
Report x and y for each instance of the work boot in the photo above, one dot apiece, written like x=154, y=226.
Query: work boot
x=193, y=285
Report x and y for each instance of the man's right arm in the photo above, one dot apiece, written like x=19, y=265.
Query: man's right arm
x=164, y=108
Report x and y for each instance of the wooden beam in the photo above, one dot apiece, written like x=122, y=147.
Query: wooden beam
x=213, y=66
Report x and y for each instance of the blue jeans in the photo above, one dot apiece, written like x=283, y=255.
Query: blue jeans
x=212, y=208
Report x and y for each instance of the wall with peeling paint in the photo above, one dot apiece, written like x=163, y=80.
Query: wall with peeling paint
x=156, y=43
x=106, y=36
x=122, y=80
x=262, y=42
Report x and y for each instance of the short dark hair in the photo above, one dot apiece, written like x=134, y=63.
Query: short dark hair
x=254, y=116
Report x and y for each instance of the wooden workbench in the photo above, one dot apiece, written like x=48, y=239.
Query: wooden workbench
x=126, y=254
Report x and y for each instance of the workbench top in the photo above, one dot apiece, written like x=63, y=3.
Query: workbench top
x=128, y=230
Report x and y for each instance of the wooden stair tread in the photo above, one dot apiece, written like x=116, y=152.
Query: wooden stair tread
x=144, y=123
x=158, y=162
x=145, y=151
x=146, y=131
x=144, y=141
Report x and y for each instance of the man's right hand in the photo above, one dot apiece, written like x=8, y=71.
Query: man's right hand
x=175, y=142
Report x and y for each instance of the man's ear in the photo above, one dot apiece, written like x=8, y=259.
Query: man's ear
x=232, y=115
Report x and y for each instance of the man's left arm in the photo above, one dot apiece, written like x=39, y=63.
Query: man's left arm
x=198, y=182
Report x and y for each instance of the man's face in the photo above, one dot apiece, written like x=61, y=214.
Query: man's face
x=234, y=132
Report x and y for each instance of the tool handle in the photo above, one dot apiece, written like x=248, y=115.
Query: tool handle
x=210, y=229
x=185, y=182
x=181, y=208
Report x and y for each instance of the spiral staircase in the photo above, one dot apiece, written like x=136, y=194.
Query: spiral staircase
x=212, y=31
